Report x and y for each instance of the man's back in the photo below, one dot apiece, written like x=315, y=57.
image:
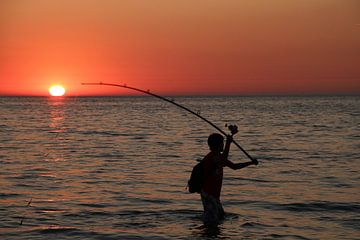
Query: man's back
x=213, y=174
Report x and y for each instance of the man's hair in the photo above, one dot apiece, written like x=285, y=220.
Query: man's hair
x=215, y=140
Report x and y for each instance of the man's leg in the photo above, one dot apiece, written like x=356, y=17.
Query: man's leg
x=212, y=209
x=220, y=210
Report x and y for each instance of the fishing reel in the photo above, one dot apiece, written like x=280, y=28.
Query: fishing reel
x=232, y=128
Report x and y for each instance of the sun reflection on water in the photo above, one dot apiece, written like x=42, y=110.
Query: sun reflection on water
x=57, y=118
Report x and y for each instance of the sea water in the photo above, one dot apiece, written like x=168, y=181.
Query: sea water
x=117, y=168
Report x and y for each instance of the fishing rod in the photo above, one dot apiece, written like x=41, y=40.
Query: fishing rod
x=180, y=106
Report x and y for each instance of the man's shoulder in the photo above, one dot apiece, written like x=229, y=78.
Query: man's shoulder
x=211, y=158
x=208, y=156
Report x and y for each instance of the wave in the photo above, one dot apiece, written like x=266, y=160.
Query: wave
x=104, y=133
x=9, y=195
x=69, y=232
x=316, y=206
x=55, y=229
x=287, y=236
x=94, y=205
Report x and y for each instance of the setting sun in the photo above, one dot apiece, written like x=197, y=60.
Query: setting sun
x=56, y=91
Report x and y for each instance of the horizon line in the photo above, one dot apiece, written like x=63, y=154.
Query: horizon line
x=196, y=95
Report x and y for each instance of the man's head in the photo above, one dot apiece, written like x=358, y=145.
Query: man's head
x=216, y=142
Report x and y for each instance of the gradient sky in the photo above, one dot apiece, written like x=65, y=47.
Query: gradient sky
x=180, y=46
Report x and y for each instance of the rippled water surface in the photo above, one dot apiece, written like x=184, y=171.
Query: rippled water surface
x=117, y=168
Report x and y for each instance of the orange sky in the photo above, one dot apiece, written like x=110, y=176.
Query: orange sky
x=180, y=46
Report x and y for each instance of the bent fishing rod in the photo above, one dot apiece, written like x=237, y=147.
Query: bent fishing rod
x=178, y=105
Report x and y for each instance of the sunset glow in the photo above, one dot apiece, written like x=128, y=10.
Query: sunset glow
x=181, y=47
x=57, y=91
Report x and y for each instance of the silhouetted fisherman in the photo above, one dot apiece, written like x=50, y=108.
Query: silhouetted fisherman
x=213, y=164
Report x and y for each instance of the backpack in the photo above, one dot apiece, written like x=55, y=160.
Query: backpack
x=196, y=178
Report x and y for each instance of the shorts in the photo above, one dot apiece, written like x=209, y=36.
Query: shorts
x=213, y=210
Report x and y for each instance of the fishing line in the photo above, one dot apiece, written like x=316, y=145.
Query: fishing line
x=178, y=105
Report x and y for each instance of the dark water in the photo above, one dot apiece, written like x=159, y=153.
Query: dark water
x=117, y=167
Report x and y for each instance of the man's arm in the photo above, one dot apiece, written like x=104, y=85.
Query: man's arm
x=225, y=153
x=236, y=166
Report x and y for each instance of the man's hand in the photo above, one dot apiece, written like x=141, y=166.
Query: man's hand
x=233, y=129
